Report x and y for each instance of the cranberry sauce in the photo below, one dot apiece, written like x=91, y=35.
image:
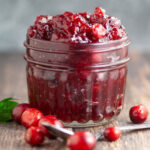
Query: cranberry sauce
x=76, y=66
x=77, y=28
x=71, y=98
x=77, y=85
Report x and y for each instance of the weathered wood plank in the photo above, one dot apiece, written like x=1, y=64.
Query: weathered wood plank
x=13, y=83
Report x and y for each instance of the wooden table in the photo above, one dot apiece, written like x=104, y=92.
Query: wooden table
x=13, y=83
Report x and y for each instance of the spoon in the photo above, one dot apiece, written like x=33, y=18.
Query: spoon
x=64, y=133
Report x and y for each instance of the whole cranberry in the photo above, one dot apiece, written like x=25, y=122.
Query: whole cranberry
x=34, y=136
x=112, y=133
x=138, y=114
x=18, y=110
x=50, y=120
x=99, y=11
x=81, y=141
x=31, y=117
x=98, y=30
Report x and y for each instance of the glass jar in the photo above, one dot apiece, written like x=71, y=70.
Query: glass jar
x=81, y=84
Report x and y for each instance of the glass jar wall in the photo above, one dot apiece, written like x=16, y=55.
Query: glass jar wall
x=81, y=84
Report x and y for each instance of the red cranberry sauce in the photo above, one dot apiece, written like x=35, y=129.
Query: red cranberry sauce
x=85, y=92
x=77, y=28
x=77, y=95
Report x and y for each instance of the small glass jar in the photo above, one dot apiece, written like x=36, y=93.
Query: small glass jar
x=81, y=84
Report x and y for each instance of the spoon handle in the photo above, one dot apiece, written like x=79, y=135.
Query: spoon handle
x=135, y=127
x=64, y=133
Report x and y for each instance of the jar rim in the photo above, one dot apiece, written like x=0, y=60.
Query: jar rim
x=60, y=47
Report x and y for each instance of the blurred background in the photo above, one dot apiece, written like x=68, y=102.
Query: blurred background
x=17, y=15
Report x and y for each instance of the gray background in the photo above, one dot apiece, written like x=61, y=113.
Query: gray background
x=17, y=15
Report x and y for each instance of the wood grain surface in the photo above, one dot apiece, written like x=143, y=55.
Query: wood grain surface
x=13, y=83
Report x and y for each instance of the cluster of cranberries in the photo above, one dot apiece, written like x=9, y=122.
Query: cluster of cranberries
x=32, y=119
x=77, y=28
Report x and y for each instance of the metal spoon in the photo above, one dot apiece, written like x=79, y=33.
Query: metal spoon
x=64, y=133
x=58, y=132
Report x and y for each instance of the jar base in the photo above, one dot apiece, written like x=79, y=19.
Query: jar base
x=90, y=123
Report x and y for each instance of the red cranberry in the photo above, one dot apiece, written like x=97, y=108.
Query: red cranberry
x=115, y=34
x=51, y=120
x=85, y=15
x=112, y=133
x=34, y=136
x=98, y=30
x=138, y=114
x=81, y=141
x=18, y=110
x=31, y=117
x=68, y=13
x=41, y=19
x=99, y=11
x=32, y=31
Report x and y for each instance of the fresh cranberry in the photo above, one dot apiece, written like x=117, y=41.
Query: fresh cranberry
x=138, y=114
x=34, y=136
x=31, y=117
x=50, y=120
x=112, y=133
x=81, y=141
x=18, y=110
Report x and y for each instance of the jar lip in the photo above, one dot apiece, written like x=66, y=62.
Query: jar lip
x=97, y=43
x=44, y=45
